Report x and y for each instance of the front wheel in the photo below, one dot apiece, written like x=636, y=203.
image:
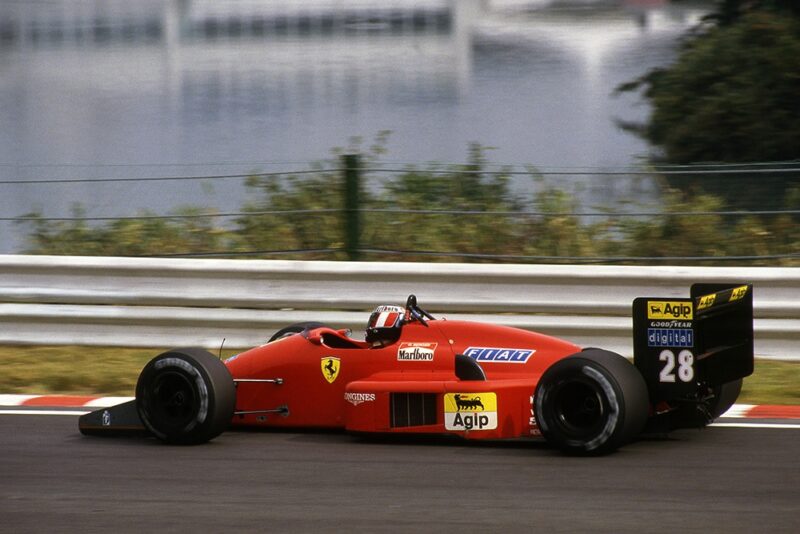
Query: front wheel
x=591, y=402
x=185, y=396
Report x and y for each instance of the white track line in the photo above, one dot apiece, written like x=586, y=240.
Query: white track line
x=40, y=412
x=757, y=425
x=15, y=400
x=105, y=402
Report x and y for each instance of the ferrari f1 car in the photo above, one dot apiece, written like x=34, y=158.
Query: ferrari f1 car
x=414, y=374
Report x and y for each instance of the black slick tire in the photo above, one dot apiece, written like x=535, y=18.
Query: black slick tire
x=185, y=396
x=591, y=403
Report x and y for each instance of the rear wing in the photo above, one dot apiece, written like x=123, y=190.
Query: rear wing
x=681, y=345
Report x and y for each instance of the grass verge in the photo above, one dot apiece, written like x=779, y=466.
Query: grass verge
x=114, y=371
x=74, y=370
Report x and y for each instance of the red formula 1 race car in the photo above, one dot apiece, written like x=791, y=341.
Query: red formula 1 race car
x=414, y=374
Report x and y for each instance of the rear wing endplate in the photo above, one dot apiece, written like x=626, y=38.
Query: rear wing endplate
x=685, y=343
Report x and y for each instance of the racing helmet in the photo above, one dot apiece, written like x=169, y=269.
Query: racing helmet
x=385, y=324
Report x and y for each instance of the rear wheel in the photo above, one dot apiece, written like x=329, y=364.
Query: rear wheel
x=591, y=403
x=185, y=396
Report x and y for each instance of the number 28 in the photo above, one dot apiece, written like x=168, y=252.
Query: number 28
x=685, y=366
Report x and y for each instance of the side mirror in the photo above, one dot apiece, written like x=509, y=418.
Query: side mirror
x=315, y=336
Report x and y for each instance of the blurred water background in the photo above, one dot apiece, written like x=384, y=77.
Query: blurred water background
x=113, y=89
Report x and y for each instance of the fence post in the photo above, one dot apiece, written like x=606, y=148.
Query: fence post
x=352, y=215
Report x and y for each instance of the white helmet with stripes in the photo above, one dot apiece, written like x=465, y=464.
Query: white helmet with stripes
x=385, y=324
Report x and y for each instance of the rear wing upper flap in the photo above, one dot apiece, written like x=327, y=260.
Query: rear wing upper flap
x=704, y=339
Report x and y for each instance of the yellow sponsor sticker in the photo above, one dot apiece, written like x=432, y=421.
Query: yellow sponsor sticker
x=666, y=309
x=470, y=402
x=706, y=301
x=738, y=293
x=470, y=411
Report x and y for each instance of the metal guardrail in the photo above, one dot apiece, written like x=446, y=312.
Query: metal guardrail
x=168, y=302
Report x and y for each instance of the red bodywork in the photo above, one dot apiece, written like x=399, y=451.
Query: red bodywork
x=326, y=379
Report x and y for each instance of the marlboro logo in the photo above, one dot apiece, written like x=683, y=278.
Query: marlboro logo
x=416, y=352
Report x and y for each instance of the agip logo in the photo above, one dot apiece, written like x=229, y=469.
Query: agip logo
x=658, y=309
x=707, y=301
x=738, y=293
x=470, y=411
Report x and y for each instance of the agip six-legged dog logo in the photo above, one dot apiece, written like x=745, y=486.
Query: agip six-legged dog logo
x=466, y=404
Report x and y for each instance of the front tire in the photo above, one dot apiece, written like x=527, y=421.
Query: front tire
x=185, y=396
x=592, y=402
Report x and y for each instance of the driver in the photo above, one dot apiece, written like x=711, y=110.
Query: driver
x=385, y=325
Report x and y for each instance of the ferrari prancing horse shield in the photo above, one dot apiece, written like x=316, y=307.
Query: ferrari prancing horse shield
x=330, y=368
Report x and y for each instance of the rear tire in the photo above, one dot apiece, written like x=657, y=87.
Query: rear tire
x=592, y=402
x=185, y=396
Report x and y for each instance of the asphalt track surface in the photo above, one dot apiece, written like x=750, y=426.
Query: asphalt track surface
x=721, y=479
